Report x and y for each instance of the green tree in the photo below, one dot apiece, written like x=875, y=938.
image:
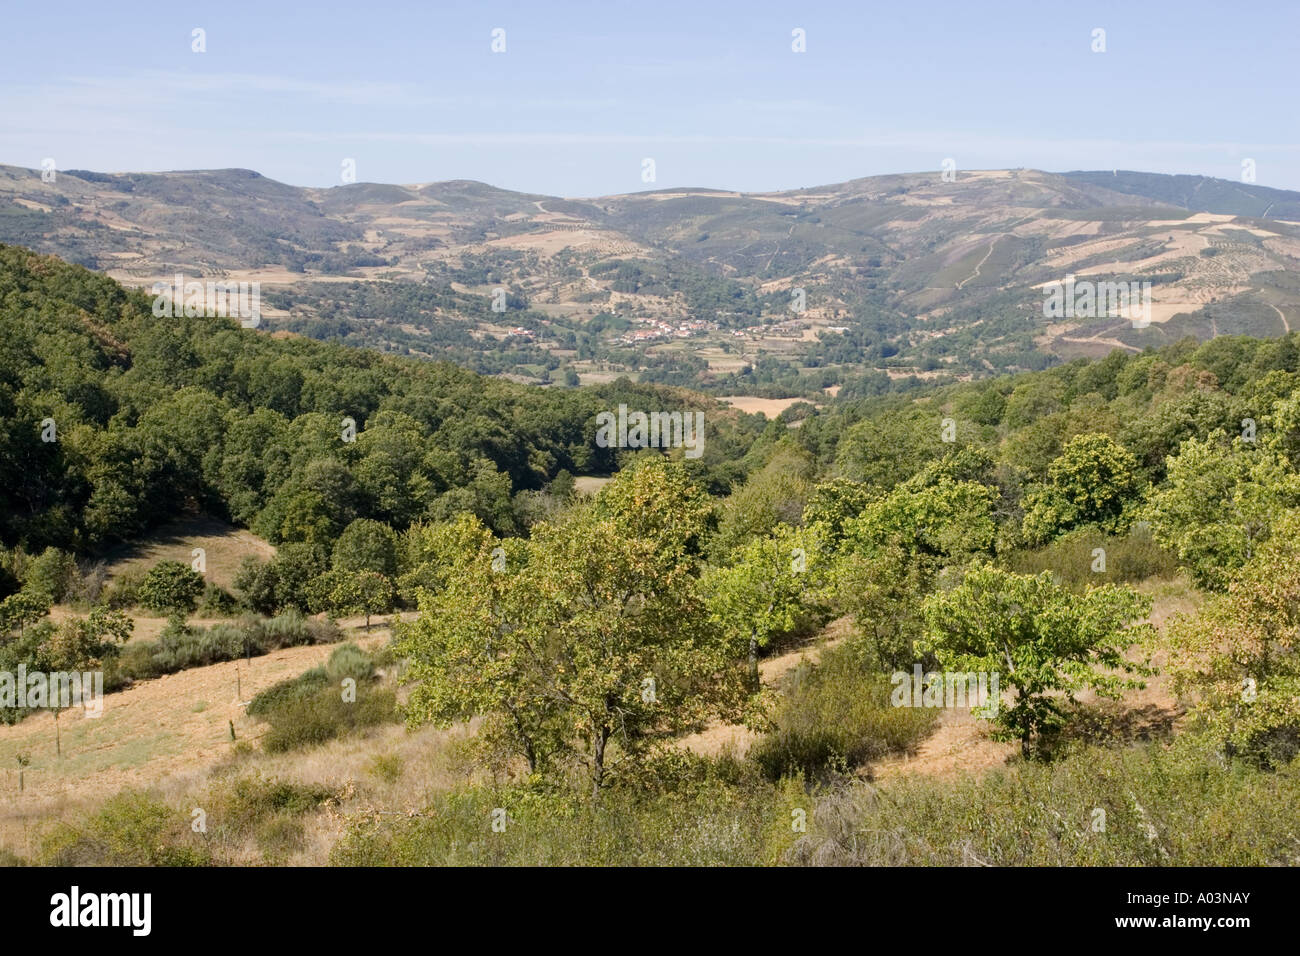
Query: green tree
x=80, y=645
x=774, y=495
x=883, y=591
x=366, y=545
x=773, y=586
x=889, y=449
x=946, y=522
x=831, y=505
x=428, y=552
x=352, y=592
x=1218, y=505
x=21, y=609
x=654, y=498
x=599, y=638
x=1094, y=482
x=257, y=582
x=170, y=586
x=52, y=573
x=1041, y=639
x=467, y=663
x=1237, y=654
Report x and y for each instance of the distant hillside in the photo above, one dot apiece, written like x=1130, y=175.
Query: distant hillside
x=117, y=422
x=902, y=278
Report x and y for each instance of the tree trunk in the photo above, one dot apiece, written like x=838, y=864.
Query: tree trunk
x=598, y=764
x=753, y=663
x=530, y=755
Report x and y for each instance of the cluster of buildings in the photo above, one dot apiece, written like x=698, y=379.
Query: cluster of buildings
x=665, y=330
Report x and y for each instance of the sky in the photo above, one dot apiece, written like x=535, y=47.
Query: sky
x=713, y=93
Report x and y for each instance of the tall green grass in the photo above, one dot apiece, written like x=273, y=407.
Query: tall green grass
x=1149, y=805
x=1129, y=558
x=312, y=708
x=835, y=716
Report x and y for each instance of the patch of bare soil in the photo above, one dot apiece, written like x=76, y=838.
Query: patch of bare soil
x=719, y=738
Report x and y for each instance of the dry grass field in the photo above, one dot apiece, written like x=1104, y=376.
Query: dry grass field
x=225, y=546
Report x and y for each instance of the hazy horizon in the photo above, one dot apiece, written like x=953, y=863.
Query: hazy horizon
x=652, y=188
x=716, y=96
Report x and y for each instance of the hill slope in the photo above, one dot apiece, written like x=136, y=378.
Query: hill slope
x=904, y=274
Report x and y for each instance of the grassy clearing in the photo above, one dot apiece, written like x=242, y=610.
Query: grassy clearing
x=224, y=545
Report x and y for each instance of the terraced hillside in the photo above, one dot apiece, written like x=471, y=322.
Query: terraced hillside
x=863, y=283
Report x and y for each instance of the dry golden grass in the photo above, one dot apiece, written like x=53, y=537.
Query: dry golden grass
x=171, y=736
x=771, y=407
x=589, y=484
x=174, y=724
x=225, y=545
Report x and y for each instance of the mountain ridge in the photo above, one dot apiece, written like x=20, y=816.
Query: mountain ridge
x=904, y=274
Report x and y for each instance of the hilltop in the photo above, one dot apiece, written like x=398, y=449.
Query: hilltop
x=903, y=277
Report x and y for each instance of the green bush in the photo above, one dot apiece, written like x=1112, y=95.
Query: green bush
x=286, y=692
x=217, y=602
x=349, y=660
x=292, y=629
x=1129, y=558
x=710, y=822
x=309, y=709
x=130, y=829
x=1147, y=805
x=53, y=573
x=323, y=716
x=124, y=592
x=170, y=586
x=836, y=715
x=248, y=801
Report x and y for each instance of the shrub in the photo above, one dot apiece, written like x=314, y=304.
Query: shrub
x=170, y=586
x=217, y=602
x=349, y=661
x=88, y=584
x=286, y=692
x=324, y=716
x=1135, y=556
x=53, y=573
x=836, y=715
x=1136, y=806
x=251, y=800
x=124, y=592
x=310, y=709
x=130, y=829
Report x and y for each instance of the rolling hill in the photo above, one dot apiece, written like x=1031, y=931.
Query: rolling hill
x=905, y=276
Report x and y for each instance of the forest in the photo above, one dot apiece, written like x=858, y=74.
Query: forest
x=1036, y=527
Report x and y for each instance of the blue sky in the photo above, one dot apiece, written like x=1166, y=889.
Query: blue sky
x=712, y=92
